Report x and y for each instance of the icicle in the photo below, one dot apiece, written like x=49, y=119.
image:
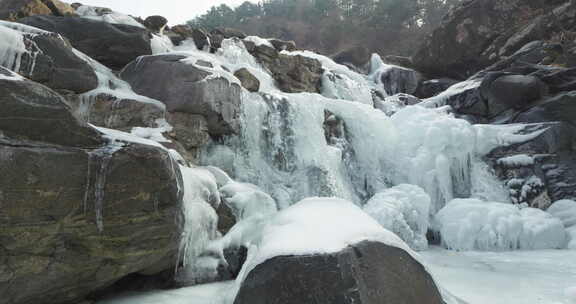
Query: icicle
x=98, y=159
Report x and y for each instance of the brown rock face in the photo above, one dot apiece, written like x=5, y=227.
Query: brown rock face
x=76, y=214
x=293, y=74
x=15, y=9
x=249, y=81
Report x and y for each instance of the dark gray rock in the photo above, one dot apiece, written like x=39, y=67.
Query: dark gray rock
x=113, y=45
x=400, y=80
x=33, y=112
x=249, y=81
x=156, y=24
x=367, y=272
x=433, y=87
x=481, y=32
x=50, y=60
x=502, y=91
x=186, y=88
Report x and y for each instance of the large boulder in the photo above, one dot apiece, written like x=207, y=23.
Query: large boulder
x=15, y=9
x=293, y=73
x=502, y=91
x=188, y=88
x=479, y=32
x=46, y=58
x=113, y=45
x=366, y=272
x=78, y=213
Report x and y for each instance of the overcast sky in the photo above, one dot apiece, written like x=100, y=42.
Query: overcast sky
x=176, y=11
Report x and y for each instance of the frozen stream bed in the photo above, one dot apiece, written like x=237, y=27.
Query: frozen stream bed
x=515, y=277
x=512, y=277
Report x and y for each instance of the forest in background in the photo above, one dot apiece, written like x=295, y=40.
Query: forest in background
x=388, y=27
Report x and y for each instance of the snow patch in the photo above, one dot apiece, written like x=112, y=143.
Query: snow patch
x=520, y=160
x=259, y=41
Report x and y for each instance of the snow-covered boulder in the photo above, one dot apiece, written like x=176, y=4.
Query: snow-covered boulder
x=472, y=224
x=105, y=14
x=190, y=86
x=327, y=250
x=404, y=210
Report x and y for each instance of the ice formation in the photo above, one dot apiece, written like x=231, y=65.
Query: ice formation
x=10, y=76
x=404, y=210
x=472, y=224
x=283, y=147
x=106, y=15
x=565, y=210
x=200, y=220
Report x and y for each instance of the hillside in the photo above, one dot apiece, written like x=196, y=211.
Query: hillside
x=387, y=27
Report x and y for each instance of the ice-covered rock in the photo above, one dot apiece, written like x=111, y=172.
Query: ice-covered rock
x=404, y=210
x=471, y=224
x=113, y=45
x=44, y=57
x=106, y=15
x=303, y=258
x=393, y=79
